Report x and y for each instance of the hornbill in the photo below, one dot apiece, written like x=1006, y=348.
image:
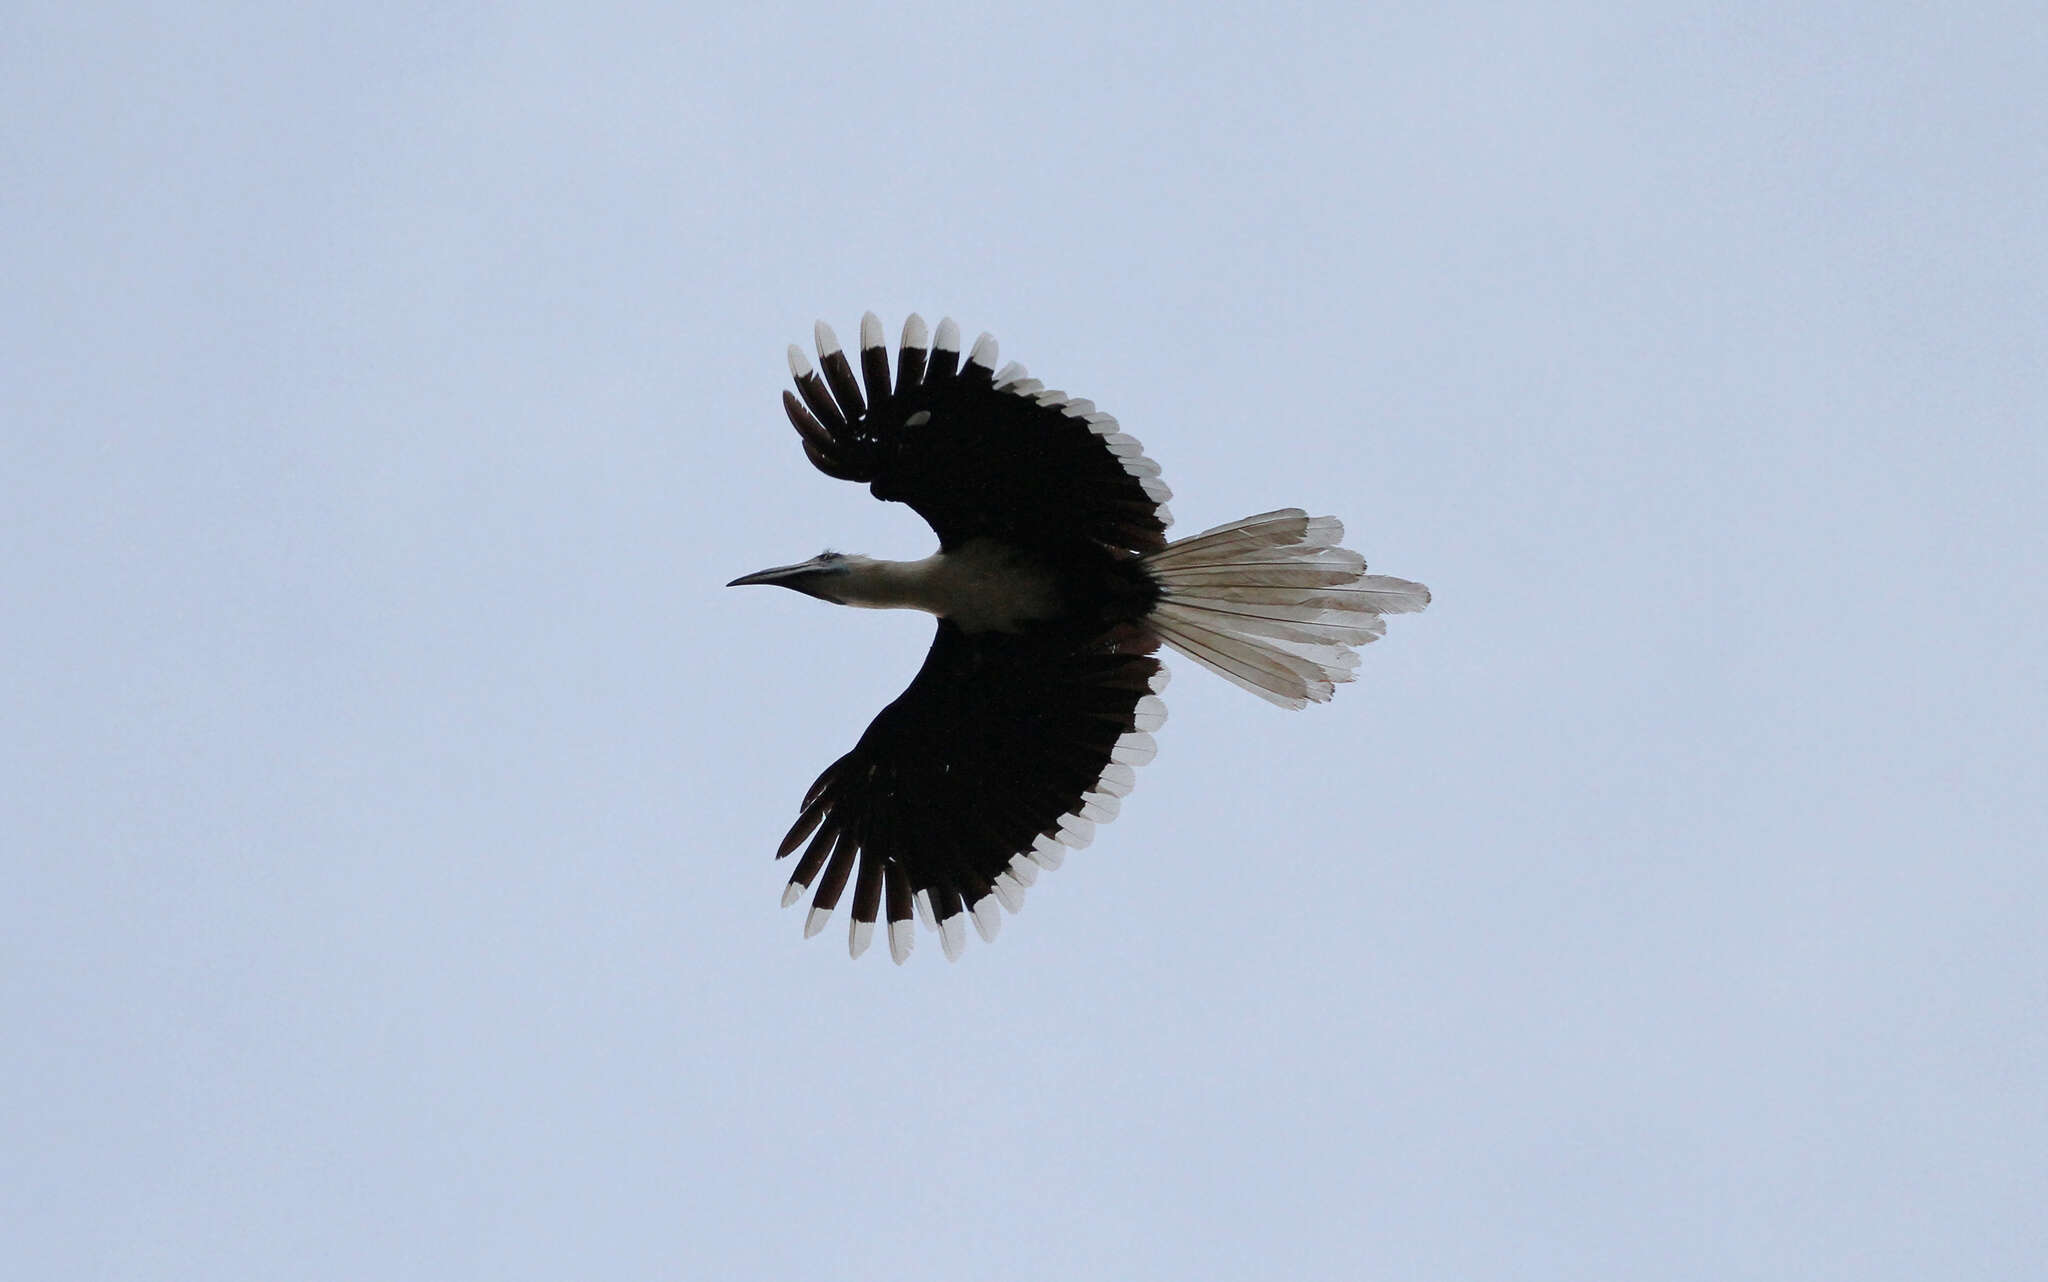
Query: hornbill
x=1053, y=585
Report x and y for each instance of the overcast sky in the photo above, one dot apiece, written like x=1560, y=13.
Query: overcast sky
x=390, y=787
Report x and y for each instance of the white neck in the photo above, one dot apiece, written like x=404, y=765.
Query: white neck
x=982, y=586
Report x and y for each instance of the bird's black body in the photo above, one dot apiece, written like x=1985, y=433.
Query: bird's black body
x=1054, y=585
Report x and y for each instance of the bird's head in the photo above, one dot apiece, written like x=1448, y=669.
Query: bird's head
x=816, y=577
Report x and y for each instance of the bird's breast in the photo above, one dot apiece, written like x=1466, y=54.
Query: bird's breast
x=985, y=585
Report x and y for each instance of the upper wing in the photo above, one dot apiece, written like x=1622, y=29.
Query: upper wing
x=974, y=451
x=1004, y=749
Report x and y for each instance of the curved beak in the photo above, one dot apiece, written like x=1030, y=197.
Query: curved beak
x=781, y=575
x=804, y=576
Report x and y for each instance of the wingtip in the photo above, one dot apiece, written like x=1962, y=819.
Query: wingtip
x=1074, y=832
x=870, y=331
x=828, y=342
x=1135, y=749
x=988, y=918
x=1149, y=713
x=1047, y=853
x=1009, y=891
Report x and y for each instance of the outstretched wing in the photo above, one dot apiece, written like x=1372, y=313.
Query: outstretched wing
x=975, y=451
x=1006, y=749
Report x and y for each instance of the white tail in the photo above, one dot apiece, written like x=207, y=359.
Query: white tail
x=1272, y=603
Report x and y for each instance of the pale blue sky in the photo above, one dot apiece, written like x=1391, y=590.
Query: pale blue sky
x=390, y=790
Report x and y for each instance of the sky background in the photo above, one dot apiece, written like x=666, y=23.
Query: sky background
x=389, y=785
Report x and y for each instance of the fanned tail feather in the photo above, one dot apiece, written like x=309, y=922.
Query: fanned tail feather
x=1273, y=604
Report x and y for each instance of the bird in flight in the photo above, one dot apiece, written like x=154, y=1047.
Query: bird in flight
x=1054, y=586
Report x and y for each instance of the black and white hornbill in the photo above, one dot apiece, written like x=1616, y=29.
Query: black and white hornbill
x=1053, y=585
